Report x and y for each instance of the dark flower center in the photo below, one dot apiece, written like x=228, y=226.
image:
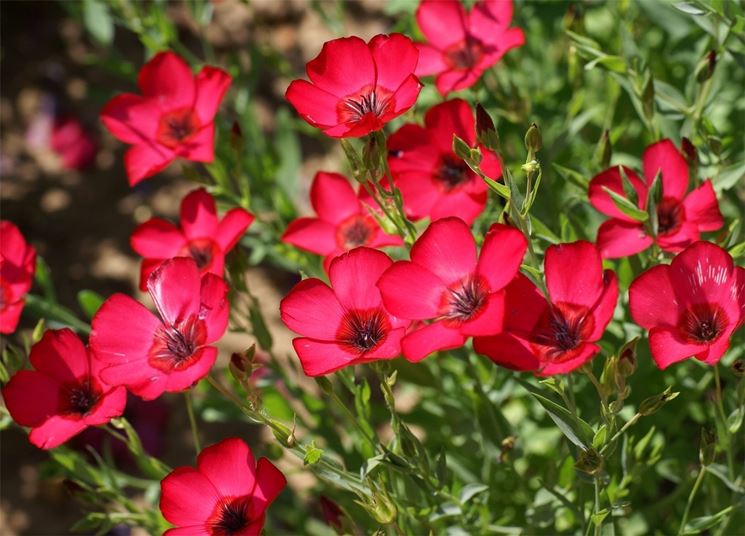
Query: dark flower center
x=704, y=323
x=80, y=398
x=362, y=331
x=464, y=55
x=563, y=330
x=464, y=300
x=202, y=256
x=355, y=231
x=177, y=127
x=669, y=215
x=174, y=346
x=365, y=104
x=232, y=518
x=452, y=172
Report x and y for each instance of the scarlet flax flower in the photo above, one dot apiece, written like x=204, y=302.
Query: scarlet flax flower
x=555, y=336
x=227, y=494
x=446, y=284
x=462, y=45
x=17, y=267
x=355, y=87
x=681, y=218
x=201, y=235
x=64, y=394
x=346, y=324
x=150, y=355
x=692, y=306
x=434, y=182
x=343, y=223
x=173, y=118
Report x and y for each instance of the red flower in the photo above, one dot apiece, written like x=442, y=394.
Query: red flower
x=151, y=355
x=343, y=221
x=447, y=284
x=73, y=143
x=228, y=493
x=17, y=266
x=357, y=87
x=557, y=336
x=201, y=236
x=64, y=395
x=463, y=45
x=692, y=306
x=347, y=323
x=173, y=118
x=433, y=181
x=681, y=218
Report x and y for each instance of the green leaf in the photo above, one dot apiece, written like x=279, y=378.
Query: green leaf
x=598, y=439
x=699, y=524
x=597, y=519
x=286, y=139
x=738, y=250
x=689, y=9
x=97, y=20
x=469, y=491
x=575, y=429
x=312, y=454
x=89, y=302
x=625, y=206
x=572, y=176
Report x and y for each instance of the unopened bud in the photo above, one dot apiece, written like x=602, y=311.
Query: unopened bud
x=689, y=150
x=486, y=132
x=738, y=368
x=530, y=167
x=648, y=98
x=654, y=403
x=590, y=462
x=461, y=148
x=334, y=516
x=533, y=139
x=508, y=443
x=236, y=136
x=706, y=67
x=627, y=358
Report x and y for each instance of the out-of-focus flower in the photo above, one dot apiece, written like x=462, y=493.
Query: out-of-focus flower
x=64, y=394
x=343, y=221
x=201, y=235
x=681, y=218
x=434, y=181
x=173, y=118
x=228, y=492
x=559, y=335
x=150, y=355
x=462, y=45
x=346, y=324
x=692, y=306
x=355, y=87
x=446, y=283
x=17, y=267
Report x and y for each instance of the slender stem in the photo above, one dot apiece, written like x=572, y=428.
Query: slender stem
x=597, y=506
x=113, y=432
x=352, y=417
x=723, y=417
x=192, y=421
x=694, y=491
x=623, y=429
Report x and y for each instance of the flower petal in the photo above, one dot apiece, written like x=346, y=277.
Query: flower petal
x=232, y=227
x=311, y=309
x=395, y=58
x=199, y=215
x=704, y=274
x=460, y=204
x=55, y=431
x=453, y=117
x=157, y=238
x=145, y=160
x=31, y=397
x=117, y=316
x=443, y=22
x=524, y=306
x=611, y=179
x=316, y=106
x=619, y=238
x=582, y=356
x=668, y=347
x=602, y=311
x=404, y=97
x=269, y=484
x=574, y=273
x=214, y=307
x=312, y=234
x=109, y=406
x=431, y=338
x=61, y=355
x=411, y=291
x=319, y=357
x=200, y=365
x=501, y=255
x=343, y=67
x=447, y=249
x=211, y=84
x=131, y=118
x=187, y=497
x=663, y=156
x=353, y=276
x=431, y=60
x=702, y=208
x=333, y=198
x=175, y=288
x=169, y=79
x=230, y=466
x=455, y=79
x=200, y=148
x=490, y=319
x=507, y=350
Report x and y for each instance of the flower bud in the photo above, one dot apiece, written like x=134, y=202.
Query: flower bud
x=648, y=98
x=627, y=358
x=707, y=450
x=486, y=132
x=654, y=403
x=706, y=67
x=738, y=368
x=236, y=137
x=335, y=517
x=533, y=139
x=590, y=461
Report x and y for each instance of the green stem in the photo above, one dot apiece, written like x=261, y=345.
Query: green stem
x=42, y=308
x=618, y=434
x=724, y=428
x=192, y=421
x=694, y=491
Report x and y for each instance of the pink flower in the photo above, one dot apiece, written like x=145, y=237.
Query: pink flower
x=64, y=395
x=201, y=236
x=557, y=336
x=347, y=323
x=692, y=306
x=174, y=117
x=73, y=143
x=150, y=355
x=446, y=284
x=343, y=221
x=463, y=45
x=433, y=181
x=228, y=492
x=355, y=87
x=17, y=267
x=681, y=218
